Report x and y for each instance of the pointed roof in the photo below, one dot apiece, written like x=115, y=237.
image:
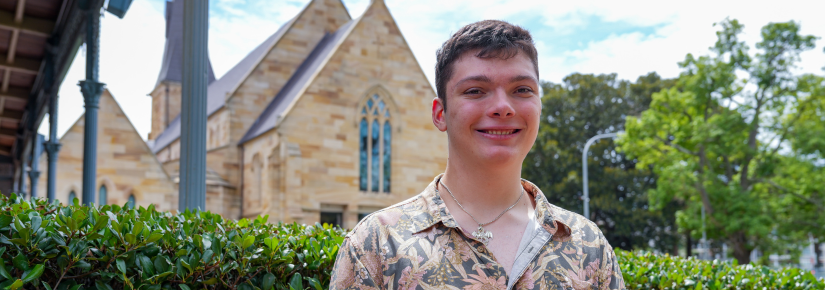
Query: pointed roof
x=117, y=108
x=217, y=91
x=283, y=102
x=171, y=70
x=297, y=84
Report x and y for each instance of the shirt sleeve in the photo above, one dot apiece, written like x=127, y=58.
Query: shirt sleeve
x=349, y=272
x=610, y=275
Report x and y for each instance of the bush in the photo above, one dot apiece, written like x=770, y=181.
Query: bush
x=649, y=271
x=48, y=246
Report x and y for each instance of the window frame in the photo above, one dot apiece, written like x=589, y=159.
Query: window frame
x=375, y=106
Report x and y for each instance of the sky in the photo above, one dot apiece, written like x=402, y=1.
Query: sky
x=629, y=38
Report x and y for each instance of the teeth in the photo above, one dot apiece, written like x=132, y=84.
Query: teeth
x=500, y=132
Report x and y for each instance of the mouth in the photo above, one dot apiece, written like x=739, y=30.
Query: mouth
x=500, y=132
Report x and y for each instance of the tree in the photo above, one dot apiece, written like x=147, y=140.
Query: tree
x=804, y=202
x=727, y=138
x=582, y=107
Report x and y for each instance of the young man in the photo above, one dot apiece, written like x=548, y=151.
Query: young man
x=479, y=225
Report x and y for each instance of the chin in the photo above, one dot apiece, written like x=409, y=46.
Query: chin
x=502, y=156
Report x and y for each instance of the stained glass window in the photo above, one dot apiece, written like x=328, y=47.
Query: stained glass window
x=72, y=196
x=363, y=154
x=374, y=145
x=386, y=157
x=131, y=202
x=101, y=195
x=375, y=150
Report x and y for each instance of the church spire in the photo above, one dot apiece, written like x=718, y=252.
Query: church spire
x=171, y=68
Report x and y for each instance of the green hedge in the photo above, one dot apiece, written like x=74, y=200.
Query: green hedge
x=47, y=246
x=649, y=271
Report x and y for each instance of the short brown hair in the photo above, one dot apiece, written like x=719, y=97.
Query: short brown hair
x=493, y=38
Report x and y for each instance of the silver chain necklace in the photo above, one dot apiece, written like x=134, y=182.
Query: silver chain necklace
x=481, y=233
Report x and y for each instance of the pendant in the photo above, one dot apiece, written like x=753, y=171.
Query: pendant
x=483, y=235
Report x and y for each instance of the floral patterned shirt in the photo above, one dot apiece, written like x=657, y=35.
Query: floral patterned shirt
x=417, y=244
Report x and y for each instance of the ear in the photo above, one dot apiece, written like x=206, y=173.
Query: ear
x=439, y=119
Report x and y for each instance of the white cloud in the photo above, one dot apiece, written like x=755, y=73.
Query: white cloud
x=681, y=29
x=131, y=48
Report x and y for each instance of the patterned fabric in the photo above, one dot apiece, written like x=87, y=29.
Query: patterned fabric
x=417, y=244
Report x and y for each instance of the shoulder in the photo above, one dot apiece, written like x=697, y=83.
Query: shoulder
x=580, y=228
x=563, y=224
x=398, y=217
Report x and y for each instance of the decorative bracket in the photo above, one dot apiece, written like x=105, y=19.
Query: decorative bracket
x=91, y=92
x=52, y=147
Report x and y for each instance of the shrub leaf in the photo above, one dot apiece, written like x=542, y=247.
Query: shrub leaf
x=34, y=273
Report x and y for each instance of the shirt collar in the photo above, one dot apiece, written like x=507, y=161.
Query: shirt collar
x=550, y=216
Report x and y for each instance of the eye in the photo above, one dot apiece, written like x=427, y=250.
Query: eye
x=473, y=91
x=524, y=90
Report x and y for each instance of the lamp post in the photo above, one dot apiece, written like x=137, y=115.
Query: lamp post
x=584, y=171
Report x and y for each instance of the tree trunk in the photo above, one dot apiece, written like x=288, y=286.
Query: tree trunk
x=818, y=252
x=740, y=248
x=675, y=250
x=689, y=247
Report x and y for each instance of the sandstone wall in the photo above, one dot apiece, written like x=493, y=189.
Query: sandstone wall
x=321, y=131
x=125, y=165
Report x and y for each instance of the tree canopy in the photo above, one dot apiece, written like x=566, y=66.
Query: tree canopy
x=575, y=110
x=741, y=135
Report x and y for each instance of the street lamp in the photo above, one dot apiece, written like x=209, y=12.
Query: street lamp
x=584, y=165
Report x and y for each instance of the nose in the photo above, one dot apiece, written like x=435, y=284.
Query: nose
x=500, y=106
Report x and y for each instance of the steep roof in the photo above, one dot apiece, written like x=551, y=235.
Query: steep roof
x=217, y=91
x=297, y=84
x=171, y=69
x=117, y=108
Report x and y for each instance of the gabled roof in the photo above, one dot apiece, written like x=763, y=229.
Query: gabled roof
x=171, y=70
x=108, y=94
x=297, y=84
x=168, y=136
x=217, y=91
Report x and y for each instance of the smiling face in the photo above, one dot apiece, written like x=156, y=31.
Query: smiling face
x=493, y=109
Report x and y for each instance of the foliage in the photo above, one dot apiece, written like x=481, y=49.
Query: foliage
x=49, y=246
x=575, y=110
x=733, y=138
x=648, y=271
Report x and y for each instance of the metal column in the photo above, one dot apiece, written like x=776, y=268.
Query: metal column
x=192, y=188
x=24, y=170
x=34, y=173
x=91, y=90
x=52, y=147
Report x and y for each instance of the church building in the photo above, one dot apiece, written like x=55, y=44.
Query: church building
x=327, y=120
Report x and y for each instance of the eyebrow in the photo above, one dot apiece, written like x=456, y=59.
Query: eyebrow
x=485, y=79
x=477, y=78
x=522, y=78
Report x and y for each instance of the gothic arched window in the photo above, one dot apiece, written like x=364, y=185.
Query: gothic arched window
x=131, y=202
x=375, y=139
x=72, y=196
x=257, y=180
x=101, y=195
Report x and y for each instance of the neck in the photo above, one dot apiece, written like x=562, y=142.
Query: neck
x=483, y=189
